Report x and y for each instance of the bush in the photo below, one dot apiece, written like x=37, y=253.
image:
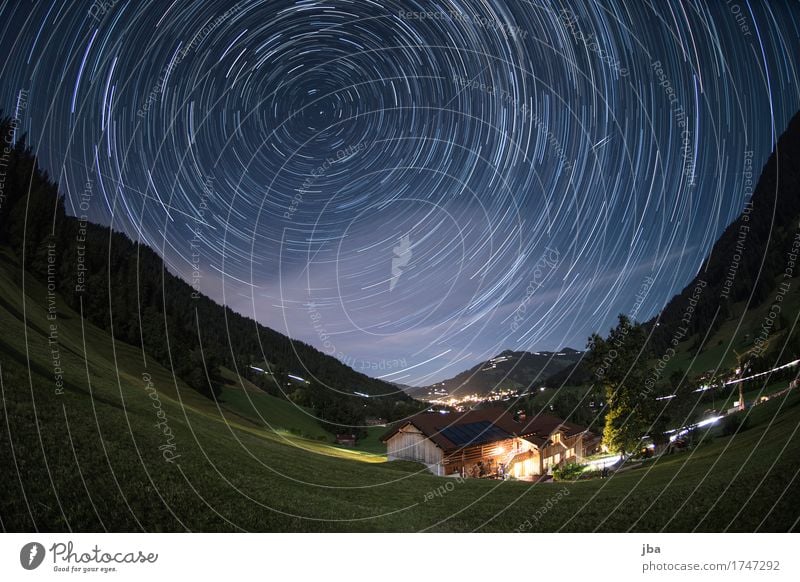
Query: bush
x=568, y=471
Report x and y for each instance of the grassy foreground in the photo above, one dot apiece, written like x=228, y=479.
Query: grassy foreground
x=98, y=455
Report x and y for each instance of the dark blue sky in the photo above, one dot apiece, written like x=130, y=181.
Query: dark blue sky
x=410, y=187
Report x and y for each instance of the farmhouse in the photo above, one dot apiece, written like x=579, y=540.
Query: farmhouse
x=488, y=443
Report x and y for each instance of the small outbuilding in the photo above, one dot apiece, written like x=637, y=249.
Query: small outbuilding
x=347, y=440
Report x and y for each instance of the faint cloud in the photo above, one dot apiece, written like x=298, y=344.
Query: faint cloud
x=402, y=256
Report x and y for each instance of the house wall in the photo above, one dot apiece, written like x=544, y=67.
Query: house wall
x=526, y=464
x=562, y=450
x=525, y=468
x=410, y=444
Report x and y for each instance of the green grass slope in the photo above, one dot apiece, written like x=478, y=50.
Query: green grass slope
x=91, y=457
x=718, y=352
x=243, y=398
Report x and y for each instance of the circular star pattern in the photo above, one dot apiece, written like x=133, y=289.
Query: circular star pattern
x=304, y=142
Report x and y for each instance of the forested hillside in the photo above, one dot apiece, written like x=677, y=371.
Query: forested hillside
x=124, y=287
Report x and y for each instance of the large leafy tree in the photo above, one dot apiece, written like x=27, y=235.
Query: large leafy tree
x=619, y=365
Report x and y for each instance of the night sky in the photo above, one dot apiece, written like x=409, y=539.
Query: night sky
x=411, y=188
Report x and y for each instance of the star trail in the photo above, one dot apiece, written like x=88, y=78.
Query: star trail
x=410, y=187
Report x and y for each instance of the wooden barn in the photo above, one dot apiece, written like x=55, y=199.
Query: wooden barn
x=488, y=443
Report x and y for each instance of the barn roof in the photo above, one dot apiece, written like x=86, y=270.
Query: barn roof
x=474, y=427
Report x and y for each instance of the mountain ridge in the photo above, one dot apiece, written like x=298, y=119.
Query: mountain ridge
x=748, y=256
x=509, y=370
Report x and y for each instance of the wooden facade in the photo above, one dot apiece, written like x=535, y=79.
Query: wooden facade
x=560, y=449
x=411, y=444
x=482, y=460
